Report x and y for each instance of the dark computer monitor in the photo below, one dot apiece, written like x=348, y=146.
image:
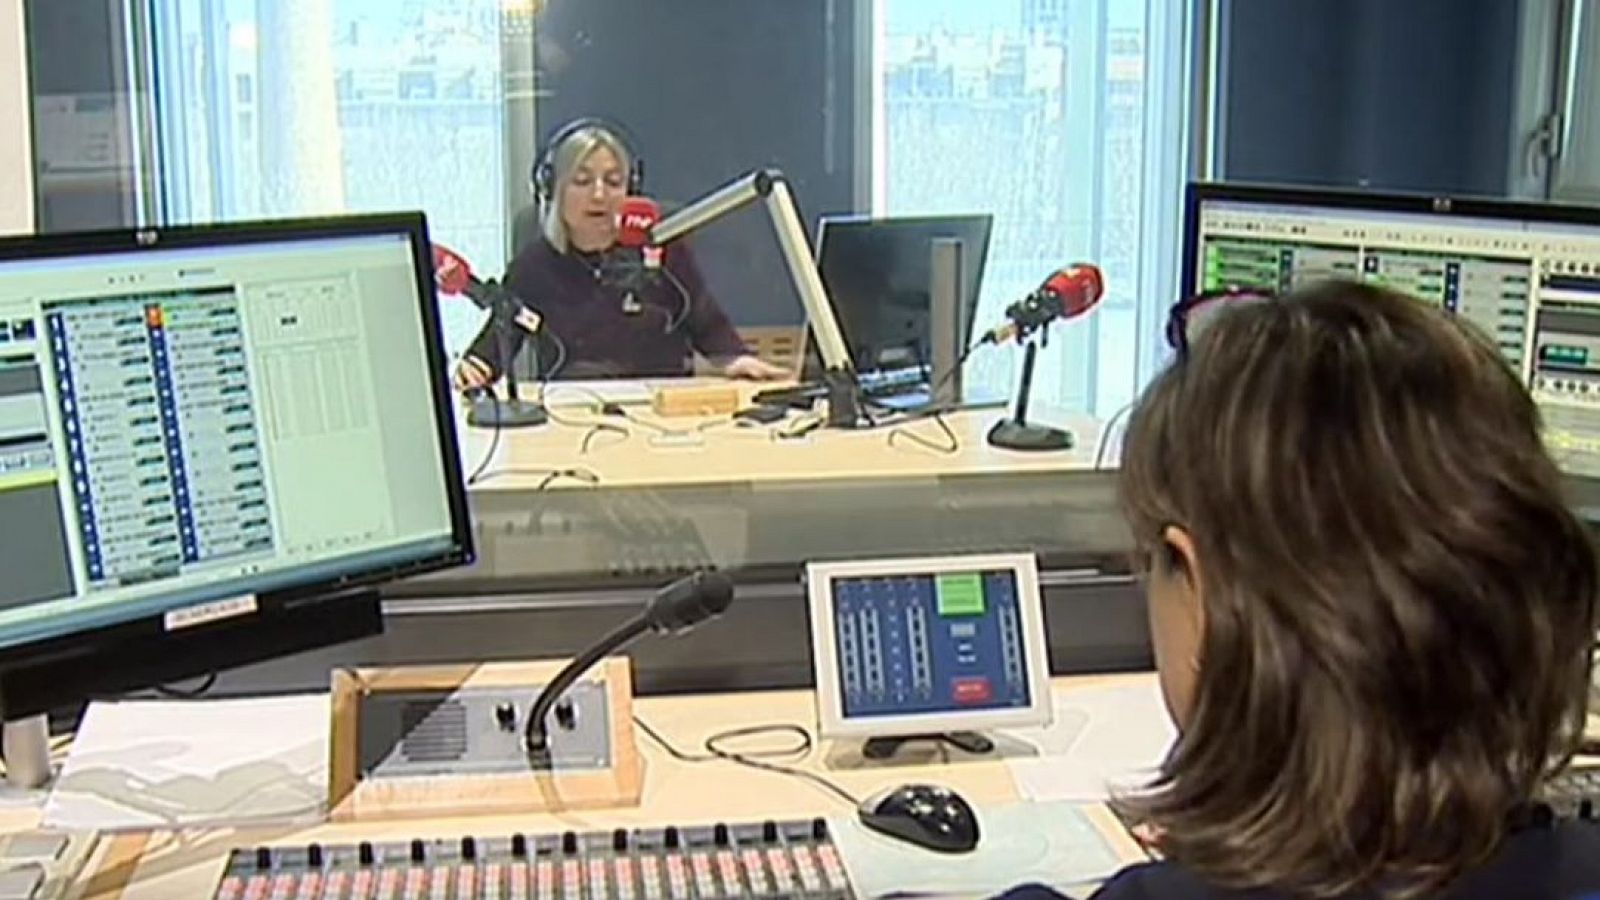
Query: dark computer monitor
x=214, y=443
x=1527, y=275
x=878, y=275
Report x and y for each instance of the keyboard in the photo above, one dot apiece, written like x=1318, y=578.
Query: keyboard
x=792, y=859
x=877, y=384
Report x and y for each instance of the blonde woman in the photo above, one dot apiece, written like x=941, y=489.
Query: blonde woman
x=653, y=328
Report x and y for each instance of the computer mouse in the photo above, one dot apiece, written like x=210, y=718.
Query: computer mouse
x=931, y=817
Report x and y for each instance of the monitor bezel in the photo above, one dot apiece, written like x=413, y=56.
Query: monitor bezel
x=1198, y=193
x=298, y=594
x=831, y=720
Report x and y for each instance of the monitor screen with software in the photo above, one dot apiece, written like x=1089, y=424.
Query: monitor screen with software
x=878, y=274
x=919, y=646
x=1528, y=275
x=196, y=421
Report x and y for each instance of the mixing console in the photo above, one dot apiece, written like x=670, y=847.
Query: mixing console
x=769, y=859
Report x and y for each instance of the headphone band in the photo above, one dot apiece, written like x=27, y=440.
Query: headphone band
x=543, y=176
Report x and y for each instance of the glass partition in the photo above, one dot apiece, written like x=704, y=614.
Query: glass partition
x=1063, y=123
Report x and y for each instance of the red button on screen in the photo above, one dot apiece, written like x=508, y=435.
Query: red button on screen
x=970, y=690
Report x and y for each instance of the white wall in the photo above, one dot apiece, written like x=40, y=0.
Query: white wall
x=16, y=156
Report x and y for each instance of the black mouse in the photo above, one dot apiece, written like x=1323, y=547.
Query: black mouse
x=932, y=817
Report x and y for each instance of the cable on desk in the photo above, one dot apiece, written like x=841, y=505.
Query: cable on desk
x=950, y=446
x=688, y=304
x=604, y=407
x=754, y=759
x=1105, y=435
x=478, y=474
x=596, y=429
x=550, y=476
x=194, y=693
x=494, y=444
x=965, y=355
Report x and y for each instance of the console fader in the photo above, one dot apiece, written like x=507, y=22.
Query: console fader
x=792, y=859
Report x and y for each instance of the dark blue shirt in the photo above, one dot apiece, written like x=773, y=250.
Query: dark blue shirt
x=1559, y=862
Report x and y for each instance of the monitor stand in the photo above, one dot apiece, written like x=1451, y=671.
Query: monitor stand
x=886, y=747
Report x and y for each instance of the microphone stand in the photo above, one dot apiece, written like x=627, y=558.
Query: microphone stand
x=674, y=609
x=840, y=385
x=485, y=410
x=1017, y=433
x=535, y=733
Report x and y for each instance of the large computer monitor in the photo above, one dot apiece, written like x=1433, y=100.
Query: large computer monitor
x=1528, y=275
x=213, y=442
x=928, y=647
x=878, y=274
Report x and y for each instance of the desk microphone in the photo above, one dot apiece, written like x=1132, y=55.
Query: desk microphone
x=638, y=216
x=453, y=275
x=637, y=264
x=1066, y=294
x=674, y=609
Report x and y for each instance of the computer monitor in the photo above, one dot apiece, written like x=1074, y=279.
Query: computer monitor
x=928, y=647
x=878, y=274
x=1528, y=275
x=214, y=441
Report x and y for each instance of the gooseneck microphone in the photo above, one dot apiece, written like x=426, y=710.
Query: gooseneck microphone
x=674, y=609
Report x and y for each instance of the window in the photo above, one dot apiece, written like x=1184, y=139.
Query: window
x=306, y=107
x=1067, y=121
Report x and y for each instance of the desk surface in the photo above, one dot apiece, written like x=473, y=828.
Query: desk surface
x=644, y=450
x=189, y=864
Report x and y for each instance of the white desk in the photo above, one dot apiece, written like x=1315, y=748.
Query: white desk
x=164, y=865
x=715, y=450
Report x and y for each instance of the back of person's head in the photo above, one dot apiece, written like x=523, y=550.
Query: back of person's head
x=1345, y=503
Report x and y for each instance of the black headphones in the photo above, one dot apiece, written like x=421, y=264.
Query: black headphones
x=544, y=168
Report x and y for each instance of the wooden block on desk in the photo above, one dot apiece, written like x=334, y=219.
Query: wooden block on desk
x=701, y=400
x=428, y=741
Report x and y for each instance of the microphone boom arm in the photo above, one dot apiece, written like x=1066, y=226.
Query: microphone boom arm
x=770, y=186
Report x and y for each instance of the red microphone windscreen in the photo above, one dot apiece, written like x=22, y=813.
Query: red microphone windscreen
x=450, y=271
x=1080, y=286
x=637, y=216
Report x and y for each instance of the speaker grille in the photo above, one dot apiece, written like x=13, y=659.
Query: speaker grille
x=434, y=732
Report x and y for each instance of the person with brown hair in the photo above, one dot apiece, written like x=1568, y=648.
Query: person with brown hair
x=1370, y=605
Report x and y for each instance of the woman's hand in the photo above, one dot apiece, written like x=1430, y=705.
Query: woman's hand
x=472, y=374
x=753, y=368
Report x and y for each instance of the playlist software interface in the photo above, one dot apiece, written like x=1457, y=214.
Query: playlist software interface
x=1533, y=287
x=930, y=643
x=178, y=423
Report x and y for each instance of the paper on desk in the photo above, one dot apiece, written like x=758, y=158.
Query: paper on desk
x=1025, y=843
x=1103, y=740
x=165, y=764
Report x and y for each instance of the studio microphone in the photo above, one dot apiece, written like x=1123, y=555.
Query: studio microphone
x=634, y=221
x=453, y=275
x=1066, y=294
x=674, y=609
x=638, y=263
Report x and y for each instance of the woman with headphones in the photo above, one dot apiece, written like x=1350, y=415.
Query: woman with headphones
x=611, y=318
